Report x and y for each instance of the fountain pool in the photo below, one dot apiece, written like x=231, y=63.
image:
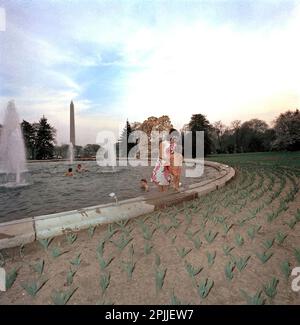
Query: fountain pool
x=50, y=191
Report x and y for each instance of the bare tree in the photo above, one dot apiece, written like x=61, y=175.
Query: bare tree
x=219, y=129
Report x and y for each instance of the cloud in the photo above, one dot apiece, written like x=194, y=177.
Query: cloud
x=117, y=60
x=218, y=71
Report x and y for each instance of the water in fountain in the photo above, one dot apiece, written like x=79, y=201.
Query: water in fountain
x=12, y=150
x=71, y=153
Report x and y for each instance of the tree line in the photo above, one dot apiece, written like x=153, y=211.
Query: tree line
x=254, y=135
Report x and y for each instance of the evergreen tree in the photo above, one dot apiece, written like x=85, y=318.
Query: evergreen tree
x=199, y=122
x=45, y=139
x=29, y=133
x=123, y=141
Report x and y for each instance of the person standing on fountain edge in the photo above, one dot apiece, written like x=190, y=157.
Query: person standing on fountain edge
x=176, y=159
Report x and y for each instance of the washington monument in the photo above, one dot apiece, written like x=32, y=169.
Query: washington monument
x=72, y=124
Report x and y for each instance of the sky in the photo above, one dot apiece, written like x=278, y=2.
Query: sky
x=118, y=60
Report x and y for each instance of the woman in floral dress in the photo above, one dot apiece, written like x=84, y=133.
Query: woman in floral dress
x=161, y=173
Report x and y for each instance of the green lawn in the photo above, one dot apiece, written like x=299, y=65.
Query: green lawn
x=272, y=159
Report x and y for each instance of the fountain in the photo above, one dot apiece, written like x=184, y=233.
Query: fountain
x=71, y=153
x=12, y=150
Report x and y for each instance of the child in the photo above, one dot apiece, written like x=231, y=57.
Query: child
x=69, y=172
x=144, y=185
x=175, y=169
x=80, y=168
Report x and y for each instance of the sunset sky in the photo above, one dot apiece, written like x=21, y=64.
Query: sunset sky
x=133, y=59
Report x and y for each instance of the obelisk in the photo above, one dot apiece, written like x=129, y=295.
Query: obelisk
x=72, y=124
